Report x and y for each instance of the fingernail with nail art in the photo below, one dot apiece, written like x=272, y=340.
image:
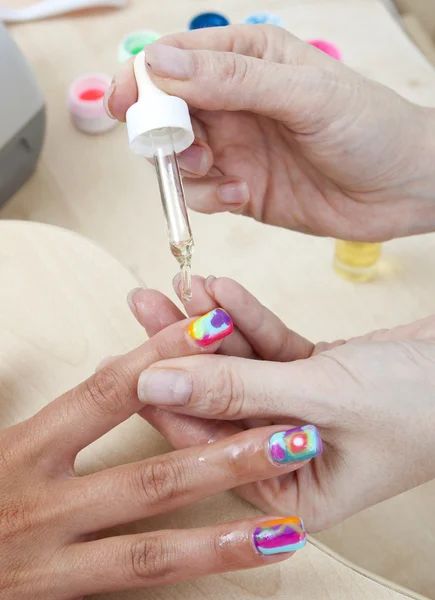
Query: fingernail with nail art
x=212, y=327
x=295, y=445
x=280, y=535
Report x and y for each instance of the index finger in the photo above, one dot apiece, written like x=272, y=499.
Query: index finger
x=259, y=41
x=109, y=397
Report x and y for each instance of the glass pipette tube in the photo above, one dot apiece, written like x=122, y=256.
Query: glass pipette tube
x=174, y=207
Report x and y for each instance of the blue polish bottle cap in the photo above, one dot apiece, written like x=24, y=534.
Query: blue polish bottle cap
x=264, y=18
x=208, y=20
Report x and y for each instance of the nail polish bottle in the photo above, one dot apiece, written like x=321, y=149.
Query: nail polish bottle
x=85, y=103
x=135, y=42
x=355, y=261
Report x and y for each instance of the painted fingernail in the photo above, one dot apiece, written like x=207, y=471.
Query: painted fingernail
x=164, y=387
x=106, y=100
x=212, y=327
x=194, y=160
x=280, y=535
x=170, y=62
x=236, y=192
x=295, y=445
x=131, y=299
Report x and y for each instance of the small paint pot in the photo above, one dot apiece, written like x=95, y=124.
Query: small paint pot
x=204, y=20
x=327, y=47
x=264, y=18
x=86, y=103
x=135, y=42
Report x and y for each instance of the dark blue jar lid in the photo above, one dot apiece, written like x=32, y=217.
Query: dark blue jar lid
x=208, y=20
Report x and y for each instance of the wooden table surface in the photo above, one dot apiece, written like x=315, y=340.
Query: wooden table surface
x=94, y=186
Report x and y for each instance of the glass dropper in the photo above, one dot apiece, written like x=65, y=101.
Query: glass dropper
x=159, y=128
x=174, y=208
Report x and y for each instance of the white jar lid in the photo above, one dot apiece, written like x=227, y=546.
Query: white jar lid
x=86, y=103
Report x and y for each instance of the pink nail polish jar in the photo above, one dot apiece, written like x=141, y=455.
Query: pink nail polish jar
x=86, y=103
x=327, y=47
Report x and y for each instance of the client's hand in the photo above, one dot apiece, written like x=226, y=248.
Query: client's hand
x=371, y=398
x=49, y=517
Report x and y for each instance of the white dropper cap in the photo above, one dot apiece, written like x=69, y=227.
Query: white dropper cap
x=156, y=120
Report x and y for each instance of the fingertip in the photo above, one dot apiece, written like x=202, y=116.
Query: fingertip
x=209, y=283
x=196, y=160
x=280, y=536
x=295, y=445
x=176, y=284
x=211, y=328
x=132, y=299
x=224, y=290
x=198, y=285
x=153, y=310
x=122, y=93
x=234, y=193
x=107, y=100
x=217, y=193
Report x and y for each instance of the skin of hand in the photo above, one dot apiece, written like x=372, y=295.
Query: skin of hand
x=290, y=136
x=372, y=399
x=49, y=517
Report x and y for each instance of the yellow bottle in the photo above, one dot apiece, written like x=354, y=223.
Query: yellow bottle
x=356, y=261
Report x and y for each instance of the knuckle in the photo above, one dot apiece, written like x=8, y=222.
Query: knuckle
x=234, y=69
x=11, y=581
x=221, y=547
x=17, y=518
x=271, y=42
x=7, y=455
x=160, y=481
x=148, y=559
x=224, y=394
x=225, y=551
x=266, y=40
x=106, y=392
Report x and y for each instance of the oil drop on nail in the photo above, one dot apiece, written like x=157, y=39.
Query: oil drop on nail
x=186, y=279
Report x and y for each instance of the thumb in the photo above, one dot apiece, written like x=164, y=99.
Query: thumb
x=230, y=388
x=212, y=80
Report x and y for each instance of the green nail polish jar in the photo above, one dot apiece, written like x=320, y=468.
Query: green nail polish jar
x=135, y=42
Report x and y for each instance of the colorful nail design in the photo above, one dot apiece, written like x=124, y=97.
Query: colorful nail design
x=296, y=444
x=281, y=535
x=212, y=327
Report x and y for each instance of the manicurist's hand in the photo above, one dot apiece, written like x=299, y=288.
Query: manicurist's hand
x=291, y=137
x=372, y=399
x=50, y=518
